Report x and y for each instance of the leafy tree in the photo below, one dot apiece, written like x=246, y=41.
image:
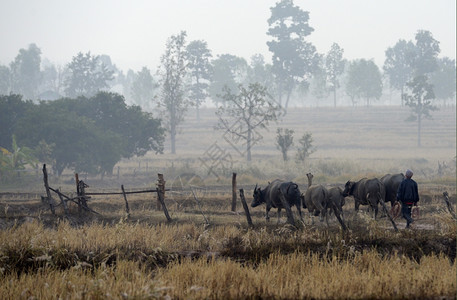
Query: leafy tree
x=199, y=67
x=228, y=72
x=140, y=132
x=143, y=87
x=334, y=67
x=293, y=57
x=419, y=98
x=173, y=72
x=284, y=139
x=427, y=50
x=87, y=75
x=89, y=135
x=398, y=64
x=364, y=80
x=306, y=147
x=12, y=109
x=246, y=113
x=5, y=84
x=74, y=140
x=444, y=79
x=25, y=72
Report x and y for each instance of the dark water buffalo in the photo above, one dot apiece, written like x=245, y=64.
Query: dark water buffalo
x=391, y=183
x=270, y=196
x=366, y=192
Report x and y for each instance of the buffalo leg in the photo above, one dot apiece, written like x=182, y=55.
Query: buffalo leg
x=388, y=214
x=299, y=212
x=337, y=214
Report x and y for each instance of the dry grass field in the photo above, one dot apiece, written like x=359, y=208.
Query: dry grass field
x=209, y=252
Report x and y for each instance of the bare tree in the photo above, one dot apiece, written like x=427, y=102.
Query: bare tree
x=246, y=113
x=306, y=147
x=419, y=98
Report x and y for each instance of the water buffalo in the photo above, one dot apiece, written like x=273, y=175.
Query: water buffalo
x=315, y=199
x=336, y=198
x=336, y=201
x=391, y=183
x=271, y=196
x=366, y=192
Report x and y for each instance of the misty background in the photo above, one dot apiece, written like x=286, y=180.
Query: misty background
x=130, y=36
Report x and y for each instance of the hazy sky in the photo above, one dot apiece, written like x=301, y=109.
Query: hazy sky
x=133, y=33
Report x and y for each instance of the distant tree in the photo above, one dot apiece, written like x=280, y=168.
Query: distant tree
x=293, y=57
x=126, y=82
x=419, y=98
x=143, y=87
x=444, y=79
x=306, y=147
x=398, y=64
x=12, y=109
x=334, y=67
x=25, y=72
x=228, y=71
x=87, y=75
x=284, y=139
x=364, y=80
x=199, y=68
x=247, y=112
x=173, y=73
x=427, y=50
x=318, y=84
x=260, y=72
x=5, y=80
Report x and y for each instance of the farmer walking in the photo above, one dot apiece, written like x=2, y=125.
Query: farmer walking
x=408, y=195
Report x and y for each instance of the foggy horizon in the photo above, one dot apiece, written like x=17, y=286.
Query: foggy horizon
x=134, y=35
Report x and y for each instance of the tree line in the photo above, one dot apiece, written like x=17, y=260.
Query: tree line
x=296, y=69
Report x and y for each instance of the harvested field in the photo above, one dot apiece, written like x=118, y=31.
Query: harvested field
x=208, y=251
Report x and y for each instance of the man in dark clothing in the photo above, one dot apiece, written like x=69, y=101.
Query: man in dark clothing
x=408, y=195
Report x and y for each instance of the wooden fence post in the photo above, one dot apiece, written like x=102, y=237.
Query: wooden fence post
x=246, y=209
x=64, y=203
x=127, y=210
x=161, y=195
x=82, y=198
x=160, y=186
x=48, y=192
x=78, y=193
x=234, y=192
